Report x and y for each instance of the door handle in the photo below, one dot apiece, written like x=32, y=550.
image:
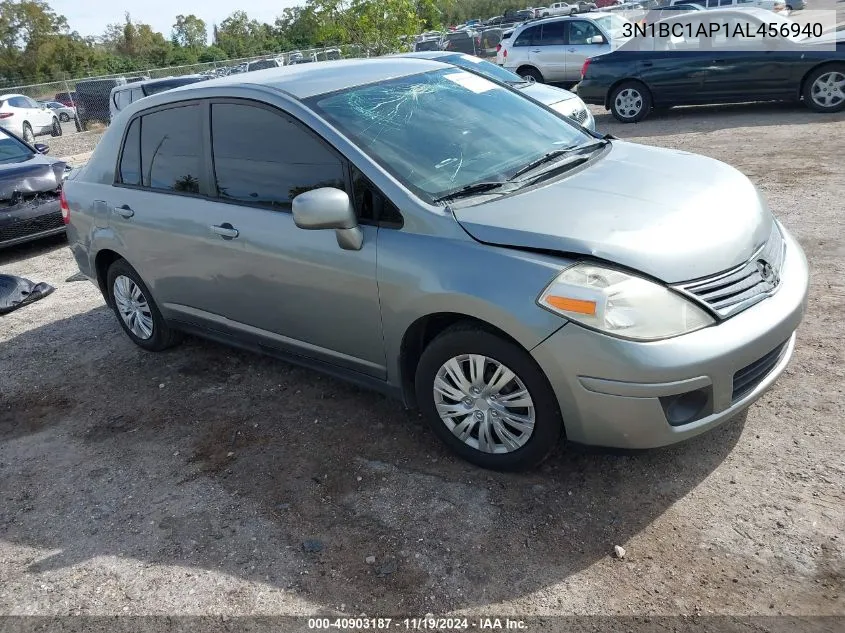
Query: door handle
x=570, y=50
x=225, y=230
x=124, y=211
x=648, y=64
x=536, y=50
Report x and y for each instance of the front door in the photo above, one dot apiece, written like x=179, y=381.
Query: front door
x=583, y=40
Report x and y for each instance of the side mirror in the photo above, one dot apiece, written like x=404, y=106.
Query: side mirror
x=596, y=39
x=41, y=148
x=329, y=208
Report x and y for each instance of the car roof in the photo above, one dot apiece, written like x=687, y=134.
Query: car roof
x=10, y=95
x=306, y=80
x=592, y=15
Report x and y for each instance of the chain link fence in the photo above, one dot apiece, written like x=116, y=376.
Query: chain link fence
x=88, y=103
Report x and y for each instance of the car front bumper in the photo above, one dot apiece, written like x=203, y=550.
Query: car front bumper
x=614, y=392
x=30, y=220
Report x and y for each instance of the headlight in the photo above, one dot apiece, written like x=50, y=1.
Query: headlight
x=621, y=304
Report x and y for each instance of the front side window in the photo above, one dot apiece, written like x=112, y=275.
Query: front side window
x=171, y=149
x=264, y=158
x=553, y=34
x=440, y=131
x=581, y=32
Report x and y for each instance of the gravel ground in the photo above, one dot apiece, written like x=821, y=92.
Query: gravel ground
x=208, y=481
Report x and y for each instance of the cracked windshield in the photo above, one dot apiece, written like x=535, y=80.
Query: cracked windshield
x=448, y=117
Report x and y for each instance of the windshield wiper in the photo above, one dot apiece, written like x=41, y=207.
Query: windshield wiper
x=470, y=190
x=557, y=153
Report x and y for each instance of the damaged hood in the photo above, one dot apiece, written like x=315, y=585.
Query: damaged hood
x=36, y=175
x=670, y=214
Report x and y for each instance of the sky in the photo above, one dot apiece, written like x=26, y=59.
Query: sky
x=90, y=17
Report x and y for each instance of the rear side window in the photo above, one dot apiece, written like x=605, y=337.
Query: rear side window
x=528, y=36
x=265, y=158
x=171, y=149
x=18, y=102
x=130, y=158
x=553, y=34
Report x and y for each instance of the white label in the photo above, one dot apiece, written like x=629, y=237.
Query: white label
x=475, y=83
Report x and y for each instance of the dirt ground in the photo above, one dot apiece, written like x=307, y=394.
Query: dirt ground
x=208, y=481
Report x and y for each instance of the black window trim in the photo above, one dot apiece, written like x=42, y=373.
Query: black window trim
x=208, y=182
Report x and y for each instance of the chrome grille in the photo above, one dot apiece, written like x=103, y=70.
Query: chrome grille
x=730, y=292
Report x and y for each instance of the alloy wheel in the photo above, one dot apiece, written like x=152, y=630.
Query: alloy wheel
x=133, y=307
x=829, y=89
x=28, y=136
x=629, y=103
x=484, y=403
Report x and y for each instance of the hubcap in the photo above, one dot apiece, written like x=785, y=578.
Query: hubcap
x=829, y=89
x=28, y=136
x=133, y=307
x=629, y=102
x=484, y=404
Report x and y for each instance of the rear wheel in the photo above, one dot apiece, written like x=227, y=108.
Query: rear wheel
x=630, y=102
x=136, y=311
x=57, y=128
x=28, y=136
x=532, y=73
x=824, y=89
x=65, y=117
x=487, y=399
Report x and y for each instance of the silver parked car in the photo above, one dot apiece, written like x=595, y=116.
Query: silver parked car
x=555, y=49
x=427, y=232
x=558, y=99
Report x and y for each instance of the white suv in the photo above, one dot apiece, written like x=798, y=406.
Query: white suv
x=26, y=118
x=555, y=49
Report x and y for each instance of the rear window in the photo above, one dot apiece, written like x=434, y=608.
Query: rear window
x=171, y=149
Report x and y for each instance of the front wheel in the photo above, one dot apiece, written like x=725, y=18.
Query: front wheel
x=630, y=102
x=136, y=311
x=824, y=90
x=56, y=130
x=487, y=399
x=64, y=117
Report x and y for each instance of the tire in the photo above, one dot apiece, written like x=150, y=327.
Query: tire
x=824, y=88
x=528, y=71
x=64, y=117
x=527, y=446
x=56, y=130
x=123, y=280
x=630, y=102
x=27, y=134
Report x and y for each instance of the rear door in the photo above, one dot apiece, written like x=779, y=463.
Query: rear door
x=549, y=52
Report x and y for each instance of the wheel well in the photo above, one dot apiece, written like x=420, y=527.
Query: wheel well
x=618, y=83
x=421, y=333
x=527, y=67
x=810, y=72
x=102, y=262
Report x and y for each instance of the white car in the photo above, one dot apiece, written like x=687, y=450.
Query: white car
x=554, y=49
x=26, y=118
x=559, y=8
x=562, y=101
x=778, y=6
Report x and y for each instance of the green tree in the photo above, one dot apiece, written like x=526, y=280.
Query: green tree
x=189, y=31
